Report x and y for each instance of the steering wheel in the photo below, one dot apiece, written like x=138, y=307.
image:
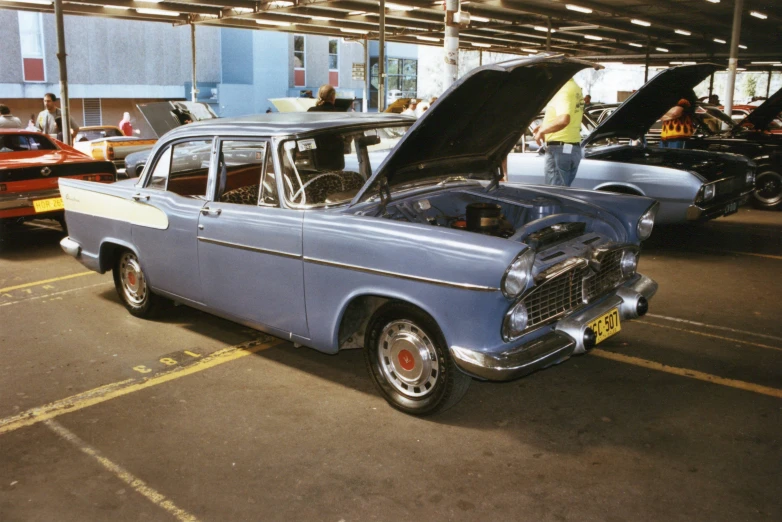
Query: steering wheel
x=301, y=194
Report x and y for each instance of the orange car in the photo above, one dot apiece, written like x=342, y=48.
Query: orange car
x=30, y=165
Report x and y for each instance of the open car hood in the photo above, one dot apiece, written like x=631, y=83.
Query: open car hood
x=477, y=121
x=760, y=118
x=644, y=107
x=165, y=116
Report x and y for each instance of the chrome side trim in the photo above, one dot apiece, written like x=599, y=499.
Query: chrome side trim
x=249, y=248
x=463, y=286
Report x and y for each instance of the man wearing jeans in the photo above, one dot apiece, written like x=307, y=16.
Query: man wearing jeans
x=561, y=130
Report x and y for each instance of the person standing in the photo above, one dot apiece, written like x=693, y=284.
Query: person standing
x=561, y=130
x=677, y=125
x=327, y=95
x=8, y=120
x=125, y=126
x=47, y=118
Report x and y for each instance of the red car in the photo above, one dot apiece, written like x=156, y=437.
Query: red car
x=30, y=165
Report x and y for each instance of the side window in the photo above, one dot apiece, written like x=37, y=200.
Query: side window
x=242, y=173
x=183, y=168
x=160, y=174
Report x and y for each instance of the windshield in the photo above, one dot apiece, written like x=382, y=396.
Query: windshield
x=329, y=168
x=712, y=119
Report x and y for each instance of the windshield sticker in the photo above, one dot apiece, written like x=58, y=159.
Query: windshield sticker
x=306, y=144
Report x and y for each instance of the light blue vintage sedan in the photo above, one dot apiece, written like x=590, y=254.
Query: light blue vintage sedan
x=307, y=227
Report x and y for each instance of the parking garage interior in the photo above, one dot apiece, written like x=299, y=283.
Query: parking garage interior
x=188, y=416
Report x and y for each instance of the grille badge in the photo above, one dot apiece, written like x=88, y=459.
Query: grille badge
x=46, y=171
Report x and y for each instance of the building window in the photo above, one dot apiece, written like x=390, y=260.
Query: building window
x=401, y=79
x=334, y=62
x=31, y=37
x=299, y=73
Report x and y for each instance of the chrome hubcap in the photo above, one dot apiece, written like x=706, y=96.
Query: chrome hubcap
x=134, y=286
x=408, y=359
x=768, y=188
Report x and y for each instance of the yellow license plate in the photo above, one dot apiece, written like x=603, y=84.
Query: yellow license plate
x=606, y=325
x=47, y=205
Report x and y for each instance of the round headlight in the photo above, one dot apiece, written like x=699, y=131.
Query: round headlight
x=708, y=192
x=628, y=263
x=518, y=274
x=515, y=322
x=646, y=223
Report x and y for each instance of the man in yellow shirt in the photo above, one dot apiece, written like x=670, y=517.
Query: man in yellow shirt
x=561, y=130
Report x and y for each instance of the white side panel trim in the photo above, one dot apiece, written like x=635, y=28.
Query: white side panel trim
x=112, y=207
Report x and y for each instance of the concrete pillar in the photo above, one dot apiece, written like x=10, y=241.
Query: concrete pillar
x=194, y=89
x=381, y=61
x=451, y=43
x=64, y=99
x=734, y=55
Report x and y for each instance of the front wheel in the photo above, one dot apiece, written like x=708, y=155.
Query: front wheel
x=409, y=361
x=131, y=285
x=768, y=190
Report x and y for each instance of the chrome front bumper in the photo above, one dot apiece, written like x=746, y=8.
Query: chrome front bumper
x=556, y=346
x=723, y=208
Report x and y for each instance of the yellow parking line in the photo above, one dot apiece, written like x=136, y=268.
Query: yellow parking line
x=45, y=281
x=118, y=389
x=769, y=256
x=124, y=475
x=692, y=374
x=731, y=339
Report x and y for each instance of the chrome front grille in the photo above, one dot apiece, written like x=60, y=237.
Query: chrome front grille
x=570, y=285
x=729, y=186
x=556, y=296
x=606, y=278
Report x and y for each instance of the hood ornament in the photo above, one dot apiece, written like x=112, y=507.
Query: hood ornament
x=46, y=171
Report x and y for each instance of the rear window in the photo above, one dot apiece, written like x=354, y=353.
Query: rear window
x=25, y=142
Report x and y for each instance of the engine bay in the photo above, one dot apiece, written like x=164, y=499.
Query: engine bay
x=538, y=220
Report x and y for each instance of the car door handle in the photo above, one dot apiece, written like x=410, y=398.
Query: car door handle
x=140, y=197
x=211, y=212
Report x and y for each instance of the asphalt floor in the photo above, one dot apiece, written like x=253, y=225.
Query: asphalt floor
x=189, y=417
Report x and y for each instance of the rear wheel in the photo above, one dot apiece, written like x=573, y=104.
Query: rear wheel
x=131, y=285
x=410, y=363
x=768, y=190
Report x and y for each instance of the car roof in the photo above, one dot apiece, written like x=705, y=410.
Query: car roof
x=287, y=123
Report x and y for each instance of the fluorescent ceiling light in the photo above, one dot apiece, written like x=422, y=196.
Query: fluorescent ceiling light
x=740, y=69
x=481, y=44
x=764, y=63
x=578, y=8
x=640, y=22
x=479, y=19
x=118, y=7
x=158, y=12
x=531, y=51
x=38, y=2
x=635, y=44
x=272, y=22
x=543, y=29
x=714, y=1
x=683, y=63
x=243, y=9
x=279, y=3
x=682, y=31
x=356, y=13
x=662, y=49
x=758, y=14
x=399, y=7
x=591, y=37
x=354, y=31
x=428, y=38
x=720, y=41
x=742, y=46
x=778, y=65
x=324, y=18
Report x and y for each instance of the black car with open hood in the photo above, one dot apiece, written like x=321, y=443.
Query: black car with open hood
x=633, y=120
